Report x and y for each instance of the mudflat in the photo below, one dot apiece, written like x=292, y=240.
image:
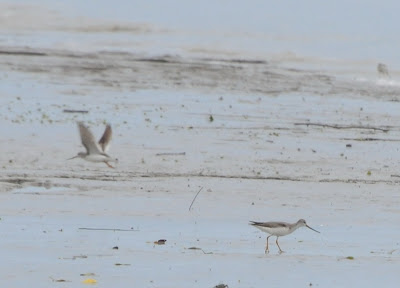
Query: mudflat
x=261, y=140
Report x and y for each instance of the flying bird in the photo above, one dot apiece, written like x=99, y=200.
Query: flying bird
x=95, y=151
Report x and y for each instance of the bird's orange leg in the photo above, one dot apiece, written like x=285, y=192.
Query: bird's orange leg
x=266, y=248
x=108, y=164
x=280, y=250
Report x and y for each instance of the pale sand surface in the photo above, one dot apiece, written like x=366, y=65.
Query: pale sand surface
x=288, y=140
x=253, y=162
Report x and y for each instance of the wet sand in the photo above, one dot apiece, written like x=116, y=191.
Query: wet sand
x=264, y=156
x=266, y=140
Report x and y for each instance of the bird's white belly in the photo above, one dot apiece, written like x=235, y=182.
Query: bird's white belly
x=96, y=158
x=277, y=231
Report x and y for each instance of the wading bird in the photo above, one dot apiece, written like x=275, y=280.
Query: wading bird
x=279, y=229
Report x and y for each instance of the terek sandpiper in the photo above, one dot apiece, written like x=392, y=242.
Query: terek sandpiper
x=382, y=69
x=279, y=229
x=95, y=152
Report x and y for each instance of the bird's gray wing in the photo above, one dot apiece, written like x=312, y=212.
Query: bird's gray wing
x=105, y=140
x=270, y=224
x=88, y=140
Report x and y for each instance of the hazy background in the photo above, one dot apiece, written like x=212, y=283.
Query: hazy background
x=337, y=30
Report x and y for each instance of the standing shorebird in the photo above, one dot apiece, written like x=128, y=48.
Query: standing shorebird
x=382, y=70
x=279, y=229
x=95, y=152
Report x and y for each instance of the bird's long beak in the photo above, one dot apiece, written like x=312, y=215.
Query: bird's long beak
x=312, y=229
x=73, y=157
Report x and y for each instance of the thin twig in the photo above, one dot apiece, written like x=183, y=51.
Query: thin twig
x=204, y=252
x=75, y=111
x=171, y=154
x=195, y=198
x=369, y=139
x=201, y=249
x=343, y=126
x=108, y=229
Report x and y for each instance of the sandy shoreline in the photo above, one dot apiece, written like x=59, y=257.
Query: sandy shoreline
x=41, y=231
x=283, y=144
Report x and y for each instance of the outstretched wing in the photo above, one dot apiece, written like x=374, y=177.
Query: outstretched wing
x=88, y=140
x=105, y=140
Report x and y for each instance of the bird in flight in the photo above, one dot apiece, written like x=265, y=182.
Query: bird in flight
x=95, y=151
